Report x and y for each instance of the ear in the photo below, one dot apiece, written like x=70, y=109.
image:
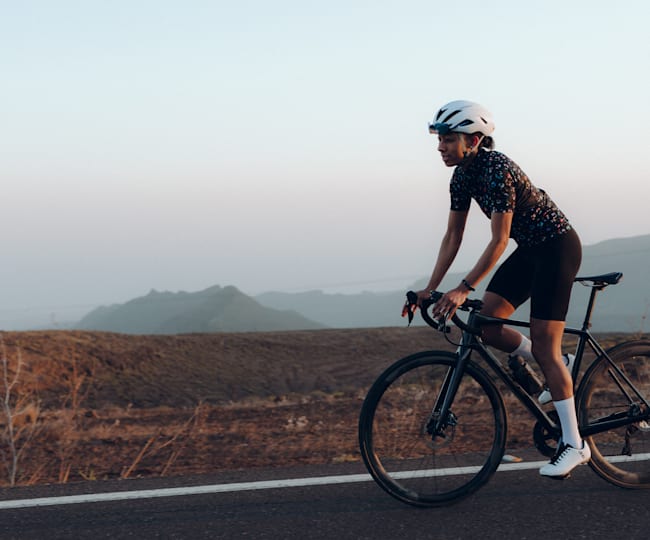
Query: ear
x=473, y=140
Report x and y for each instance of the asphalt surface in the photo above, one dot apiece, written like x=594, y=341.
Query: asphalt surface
x=517, y=505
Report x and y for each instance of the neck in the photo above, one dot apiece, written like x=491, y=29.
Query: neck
x=469, y=157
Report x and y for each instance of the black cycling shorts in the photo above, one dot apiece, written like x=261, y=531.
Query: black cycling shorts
x=544, y=273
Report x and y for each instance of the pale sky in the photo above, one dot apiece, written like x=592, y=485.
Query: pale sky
x=283, y=145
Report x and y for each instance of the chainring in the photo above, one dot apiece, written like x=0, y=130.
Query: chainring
x=546, y=441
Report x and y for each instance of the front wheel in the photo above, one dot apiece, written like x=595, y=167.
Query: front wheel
x=619, y=389
x=403, y=456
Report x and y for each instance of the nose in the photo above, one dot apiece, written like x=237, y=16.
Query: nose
x=441, y=146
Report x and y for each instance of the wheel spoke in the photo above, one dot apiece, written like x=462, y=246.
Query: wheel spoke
x=415, y=466
x=620, y=455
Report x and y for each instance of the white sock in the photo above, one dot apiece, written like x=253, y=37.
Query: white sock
x=525, y=349
x=566, y=410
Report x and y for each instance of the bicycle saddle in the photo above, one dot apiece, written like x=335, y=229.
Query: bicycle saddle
x=602, y=280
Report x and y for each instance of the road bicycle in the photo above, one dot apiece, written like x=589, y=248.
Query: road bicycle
x=433, y=426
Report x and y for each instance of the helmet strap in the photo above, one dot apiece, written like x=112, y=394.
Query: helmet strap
x=469, y=154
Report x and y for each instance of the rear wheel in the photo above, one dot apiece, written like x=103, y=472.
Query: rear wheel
x=622, y=455
x=414, y=465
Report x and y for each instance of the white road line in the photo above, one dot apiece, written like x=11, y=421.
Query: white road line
x=269, y=484
x=182, y=491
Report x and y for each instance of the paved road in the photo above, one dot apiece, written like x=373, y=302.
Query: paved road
x=514, y=505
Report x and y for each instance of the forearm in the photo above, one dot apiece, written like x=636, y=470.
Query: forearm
x=487, y=261
x=448, y=250
x=500, y=225
x=455, y=297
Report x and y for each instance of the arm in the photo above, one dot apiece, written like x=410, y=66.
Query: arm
x=500, y=225
x=449, y=247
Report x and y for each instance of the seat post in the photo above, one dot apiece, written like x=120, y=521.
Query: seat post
x=590, y=306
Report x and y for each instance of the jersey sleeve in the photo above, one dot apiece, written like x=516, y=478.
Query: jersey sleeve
x=460, y=197
x=502, y=189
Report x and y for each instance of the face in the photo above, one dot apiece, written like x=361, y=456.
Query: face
x=454, y=148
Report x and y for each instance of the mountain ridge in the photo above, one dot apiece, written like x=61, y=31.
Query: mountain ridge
x=215, y=309
x=623, y=308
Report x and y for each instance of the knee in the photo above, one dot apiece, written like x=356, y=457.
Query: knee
x=540, y=352
x=492, y=334
x=545, y=354
x=544, y=347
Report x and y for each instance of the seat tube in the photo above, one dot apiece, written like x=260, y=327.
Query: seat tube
x=590, y=308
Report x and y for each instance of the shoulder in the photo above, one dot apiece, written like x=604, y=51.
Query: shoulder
x=496, y=158
x=501, y=165
x=489, y=162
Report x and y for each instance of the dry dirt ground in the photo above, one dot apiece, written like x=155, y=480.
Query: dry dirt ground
x=92, y=405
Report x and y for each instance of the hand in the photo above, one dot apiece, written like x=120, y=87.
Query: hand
x=449, y=302
x=424, y=294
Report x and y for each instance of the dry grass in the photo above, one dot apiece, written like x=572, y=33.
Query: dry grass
x=120, y=406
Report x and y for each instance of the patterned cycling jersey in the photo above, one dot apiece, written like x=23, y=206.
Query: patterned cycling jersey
x=498, y=185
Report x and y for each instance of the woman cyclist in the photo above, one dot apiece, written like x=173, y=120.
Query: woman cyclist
x=542, y=267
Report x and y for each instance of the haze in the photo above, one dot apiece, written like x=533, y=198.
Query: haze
x=284, y=145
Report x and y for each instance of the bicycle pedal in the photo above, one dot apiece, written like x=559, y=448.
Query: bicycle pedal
x=643, y=426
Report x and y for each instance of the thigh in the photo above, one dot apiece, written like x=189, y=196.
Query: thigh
x=513, y=279
x=556, y=266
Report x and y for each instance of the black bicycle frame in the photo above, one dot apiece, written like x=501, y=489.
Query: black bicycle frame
x=472, y=342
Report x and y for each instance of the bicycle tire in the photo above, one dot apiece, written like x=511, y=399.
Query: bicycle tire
x=404, y=459
x=622, y=455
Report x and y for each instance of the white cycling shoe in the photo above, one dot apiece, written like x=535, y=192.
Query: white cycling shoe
x=545, y=396
x=565, y=460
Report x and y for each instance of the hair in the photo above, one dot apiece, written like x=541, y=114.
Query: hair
x=487, y=142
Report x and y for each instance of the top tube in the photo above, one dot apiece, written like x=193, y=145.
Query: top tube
x=474, y=305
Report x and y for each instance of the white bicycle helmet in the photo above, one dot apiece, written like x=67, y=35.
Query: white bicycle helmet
x=462, y=117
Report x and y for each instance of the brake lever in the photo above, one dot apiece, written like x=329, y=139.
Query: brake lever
x=442, y=325
x=410, y=306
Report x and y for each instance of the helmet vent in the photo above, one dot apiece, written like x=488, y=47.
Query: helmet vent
x=449, y=117
x=464, y=117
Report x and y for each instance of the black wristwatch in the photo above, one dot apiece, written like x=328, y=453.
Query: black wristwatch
x=466, y=283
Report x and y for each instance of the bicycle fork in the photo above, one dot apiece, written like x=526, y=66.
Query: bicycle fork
x=441, y=416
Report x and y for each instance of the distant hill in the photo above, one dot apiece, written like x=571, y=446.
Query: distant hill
x=362, y=310
x=622, y=308
x=215, y=309
x=626, y=306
